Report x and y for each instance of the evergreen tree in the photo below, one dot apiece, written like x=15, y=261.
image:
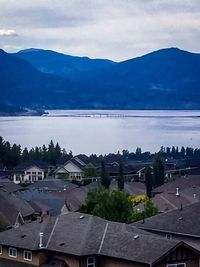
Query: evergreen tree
x=15, y=155
x=2, y=151
x=32, y=153
x=44, y=153
x=51, y=153
x=37, y=154
x=120, y=181
x=173, y=152
x=25, y=155
x=182, y=151
x=149, y=182
x=105, y=180
x=168, y=151
x=57, y=151
x=158, y=171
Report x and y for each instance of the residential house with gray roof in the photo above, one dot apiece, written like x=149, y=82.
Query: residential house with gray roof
x=80, y=240
x=30, y=172
x=73, y=169
x=14, y=211
x=177, y=224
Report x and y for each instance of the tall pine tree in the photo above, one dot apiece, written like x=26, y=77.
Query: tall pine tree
x=158, y=171
x=120, y=181
x=149, y=181
x=105, y=179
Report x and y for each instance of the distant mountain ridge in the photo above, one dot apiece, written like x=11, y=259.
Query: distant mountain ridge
x=164, y=79
x=71, y=67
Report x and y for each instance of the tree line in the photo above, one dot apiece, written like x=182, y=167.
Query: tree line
x=12, y=155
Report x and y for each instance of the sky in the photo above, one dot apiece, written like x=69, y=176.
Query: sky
x=113, y=29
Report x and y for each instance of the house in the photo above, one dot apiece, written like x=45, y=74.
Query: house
x=44, y=198
x=113, y=171
x=30, y=172
x=176, y=194
x=14, y=211
x=178, y=224
x=73, y=169
x=182, y=183
x=142, y=173
x=80, y=240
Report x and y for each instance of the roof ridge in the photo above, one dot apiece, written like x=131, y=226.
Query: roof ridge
x=52, y=231
x=103, y=237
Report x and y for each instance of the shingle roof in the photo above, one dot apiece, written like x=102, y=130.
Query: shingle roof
x=11, y=206
x=185, y=221
x=38, y=206
x=169, y=201
x=50, y=200
x=182, y=183
x=82, y=234
x=40, y=164
x=144, y=248
x=52, y=185
x=27, y=236
x=9, y=186
x=85, y=159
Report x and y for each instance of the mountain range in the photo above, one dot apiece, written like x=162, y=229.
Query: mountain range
x=36, y=78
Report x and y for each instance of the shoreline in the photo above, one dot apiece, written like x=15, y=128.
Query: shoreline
x=93, y=113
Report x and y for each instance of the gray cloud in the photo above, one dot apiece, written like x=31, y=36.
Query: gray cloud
x=116, y=29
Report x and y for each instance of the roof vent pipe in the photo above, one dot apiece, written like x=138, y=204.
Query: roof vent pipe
x=177, y=192
x=41, y=240
x=194, y=195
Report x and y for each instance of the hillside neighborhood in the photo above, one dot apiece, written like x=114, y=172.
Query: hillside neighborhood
x=42, y=223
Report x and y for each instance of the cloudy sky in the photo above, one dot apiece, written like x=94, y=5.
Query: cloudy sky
x=114, y=29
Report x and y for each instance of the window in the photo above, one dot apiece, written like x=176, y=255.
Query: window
x=176, y=265
x=91, y=262
x=27, y=255
x=28, y=172
x=18, y=178
x=40, y=173
x=0, y=249
x=39, y=177
x=13, y=252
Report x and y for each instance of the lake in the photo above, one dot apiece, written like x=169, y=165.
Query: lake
x=104, y=131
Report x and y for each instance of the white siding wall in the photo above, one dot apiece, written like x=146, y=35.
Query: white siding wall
x=32, y=174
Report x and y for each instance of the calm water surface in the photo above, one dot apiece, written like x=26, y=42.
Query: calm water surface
x=105, y=131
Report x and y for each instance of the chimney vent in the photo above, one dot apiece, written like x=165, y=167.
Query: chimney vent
x=41, y=240
x=177, y=192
